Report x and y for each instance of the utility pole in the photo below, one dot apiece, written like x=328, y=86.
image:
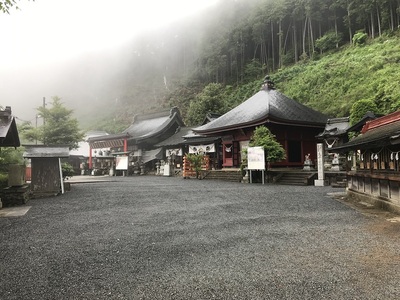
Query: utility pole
x=44, y=106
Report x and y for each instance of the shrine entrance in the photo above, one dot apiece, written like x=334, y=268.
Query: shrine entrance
x=230, y=154
x=294, y=152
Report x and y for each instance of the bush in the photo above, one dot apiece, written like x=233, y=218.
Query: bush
x=328, y=41
x=196, y=161
x=360, y=38
x=67, y=170
x=3, y=180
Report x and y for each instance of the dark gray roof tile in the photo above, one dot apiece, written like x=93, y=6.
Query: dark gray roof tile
x=265, y=105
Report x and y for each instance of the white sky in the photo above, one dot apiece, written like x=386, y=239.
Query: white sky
x=55, y=30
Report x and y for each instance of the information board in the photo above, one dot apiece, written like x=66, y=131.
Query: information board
x=122, y=163
x=255, y=158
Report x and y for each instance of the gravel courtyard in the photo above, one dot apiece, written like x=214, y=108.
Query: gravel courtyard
x=170, y=238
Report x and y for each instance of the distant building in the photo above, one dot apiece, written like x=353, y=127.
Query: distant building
x=135, y=148
x=79, y=158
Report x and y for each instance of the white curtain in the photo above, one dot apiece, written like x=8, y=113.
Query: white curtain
x=176, y=152
x=202, y=148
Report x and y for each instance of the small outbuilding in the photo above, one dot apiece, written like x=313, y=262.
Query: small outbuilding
x=47, y=179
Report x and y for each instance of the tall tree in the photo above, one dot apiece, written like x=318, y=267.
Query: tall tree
x=59, y=128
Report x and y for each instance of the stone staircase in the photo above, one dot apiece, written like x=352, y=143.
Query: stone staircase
x=224, y=175
x=296, y=178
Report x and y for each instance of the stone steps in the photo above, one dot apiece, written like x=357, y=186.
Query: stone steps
x=223, y=175
x=295, y=178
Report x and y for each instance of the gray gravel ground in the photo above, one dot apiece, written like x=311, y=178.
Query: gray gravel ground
x=170, y=238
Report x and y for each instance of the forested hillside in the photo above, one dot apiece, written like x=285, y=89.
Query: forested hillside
x=324, y=53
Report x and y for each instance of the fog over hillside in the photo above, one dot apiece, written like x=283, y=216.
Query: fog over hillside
x=93, y=82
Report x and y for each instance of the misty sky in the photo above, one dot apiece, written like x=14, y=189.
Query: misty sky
x=44, y=35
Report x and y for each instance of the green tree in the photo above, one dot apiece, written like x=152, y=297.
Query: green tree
x=211, y=99
x=360, y=108
x=262, y=137
x=28, y=133
x=59, y=128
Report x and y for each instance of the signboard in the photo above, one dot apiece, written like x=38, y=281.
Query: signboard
x=122, y=163
x=255, y=158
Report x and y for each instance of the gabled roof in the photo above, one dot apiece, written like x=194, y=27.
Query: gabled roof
x=42, y=151
x=335, y=127
x=147, y=126
x=210, y=117
x=376, y=133
x=8, y=129
x=359, y=125
x=267, y=105
x=183, y=136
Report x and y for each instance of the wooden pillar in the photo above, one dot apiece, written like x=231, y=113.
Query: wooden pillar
x=90, y=158
x=125, y=145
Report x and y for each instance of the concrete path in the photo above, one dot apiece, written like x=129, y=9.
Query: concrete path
x=170, y=238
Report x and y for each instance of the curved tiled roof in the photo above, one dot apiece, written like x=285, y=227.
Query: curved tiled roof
x=152, y=124
x=266, y=105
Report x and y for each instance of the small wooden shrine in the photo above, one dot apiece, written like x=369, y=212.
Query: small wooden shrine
x=375, y=157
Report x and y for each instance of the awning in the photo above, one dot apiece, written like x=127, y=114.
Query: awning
x=150, y=155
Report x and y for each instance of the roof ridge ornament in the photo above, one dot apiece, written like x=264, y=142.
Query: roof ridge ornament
x=267, y=84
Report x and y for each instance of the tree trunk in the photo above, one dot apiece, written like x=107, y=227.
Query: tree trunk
x=336, y=29
x=349, y=21
x=280, y=40
x=378, y=18
x=312, y=47
x=372, y=26
x=272, y=46
x=304, y=37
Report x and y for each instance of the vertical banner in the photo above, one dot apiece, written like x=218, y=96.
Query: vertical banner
x=255, y=158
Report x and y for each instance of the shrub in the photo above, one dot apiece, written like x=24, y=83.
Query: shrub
x=67, y=170
x=360, y=38
x=195, y=160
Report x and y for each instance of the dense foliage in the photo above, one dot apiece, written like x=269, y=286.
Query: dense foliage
x=360, y=108
x=335, y=82
x=262, y=137
x=325, y=54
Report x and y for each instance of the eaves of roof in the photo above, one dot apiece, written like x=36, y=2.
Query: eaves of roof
x=378, y=137
x=145, y=128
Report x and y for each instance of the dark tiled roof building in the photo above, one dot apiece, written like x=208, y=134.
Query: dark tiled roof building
x=294, y=125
